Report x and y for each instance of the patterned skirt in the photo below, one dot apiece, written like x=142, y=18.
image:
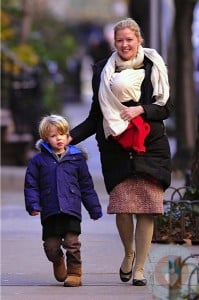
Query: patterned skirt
x=136, y=195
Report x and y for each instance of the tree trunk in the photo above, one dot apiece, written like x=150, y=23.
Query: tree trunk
x=140, y=12
x=26, y=21
x=185, y=96
x=192, y=180
x=195, y=165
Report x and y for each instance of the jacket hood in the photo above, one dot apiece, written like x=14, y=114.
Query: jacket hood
x=42, y=145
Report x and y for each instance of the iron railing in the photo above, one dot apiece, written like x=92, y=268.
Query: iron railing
x=180, y=222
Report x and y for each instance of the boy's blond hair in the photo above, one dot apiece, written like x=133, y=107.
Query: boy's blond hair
x=131, y=24
x=60, y=122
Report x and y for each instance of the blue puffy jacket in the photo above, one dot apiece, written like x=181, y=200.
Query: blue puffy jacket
x=53, y=186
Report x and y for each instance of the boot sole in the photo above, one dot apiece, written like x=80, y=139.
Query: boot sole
x=71, y=284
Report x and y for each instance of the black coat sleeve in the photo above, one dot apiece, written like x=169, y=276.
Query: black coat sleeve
x=154, y=112
x=86, y=128
x=89, y=126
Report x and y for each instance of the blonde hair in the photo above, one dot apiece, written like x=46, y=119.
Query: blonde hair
x=60, y=122
x=131, y=24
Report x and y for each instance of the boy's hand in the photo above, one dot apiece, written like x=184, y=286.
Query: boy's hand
x=34, y=213
x=95, y=218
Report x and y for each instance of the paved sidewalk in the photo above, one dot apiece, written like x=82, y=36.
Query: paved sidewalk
x=27, y=275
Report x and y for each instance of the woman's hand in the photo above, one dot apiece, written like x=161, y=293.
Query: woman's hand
x=70, y=139
x=128, y=113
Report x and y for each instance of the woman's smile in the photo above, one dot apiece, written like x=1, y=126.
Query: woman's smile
x=127, y=43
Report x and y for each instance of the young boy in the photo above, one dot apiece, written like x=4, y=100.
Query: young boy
x=57, y=181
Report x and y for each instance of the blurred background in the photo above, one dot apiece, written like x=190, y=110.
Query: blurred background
x=47, y=51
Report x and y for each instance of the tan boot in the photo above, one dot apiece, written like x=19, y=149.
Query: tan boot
x=73, y=278
x=60, y=271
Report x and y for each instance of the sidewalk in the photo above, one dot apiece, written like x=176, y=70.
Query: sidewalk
x=27, y=275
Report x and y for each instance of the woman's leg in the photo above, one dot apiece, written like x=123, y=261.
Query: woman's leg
x=143, y=237
x=125, y=228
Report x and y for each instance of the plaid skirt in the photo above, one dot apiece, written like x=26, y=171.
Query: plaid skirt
x=136, y=195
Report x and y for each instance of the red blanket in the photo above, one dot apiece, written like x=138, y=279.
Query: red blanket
x=135, y=134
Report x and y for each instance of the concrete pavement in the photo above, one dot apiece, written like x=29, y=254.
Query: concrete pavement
x=27, y=275
x=25, y=272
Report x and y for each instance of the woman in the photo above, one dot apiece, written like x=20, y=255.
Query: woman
x=136, y=174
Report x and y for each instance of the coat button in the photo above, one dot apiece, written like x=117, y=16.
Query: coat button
x=130, y=155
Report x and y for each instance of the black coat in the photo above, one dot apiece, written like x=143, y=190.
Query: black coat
x=117, y=163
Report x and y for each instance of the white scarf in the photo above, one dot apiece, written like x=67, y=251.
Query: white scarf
x=111, y=106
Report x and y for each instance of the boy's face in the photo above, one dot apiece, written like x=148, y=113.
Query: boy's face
x=57, y=140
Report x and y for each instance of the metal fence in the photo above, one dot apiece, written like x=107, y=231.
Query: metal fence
x=21, y=107
x=21, y=92
x=180, y=222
